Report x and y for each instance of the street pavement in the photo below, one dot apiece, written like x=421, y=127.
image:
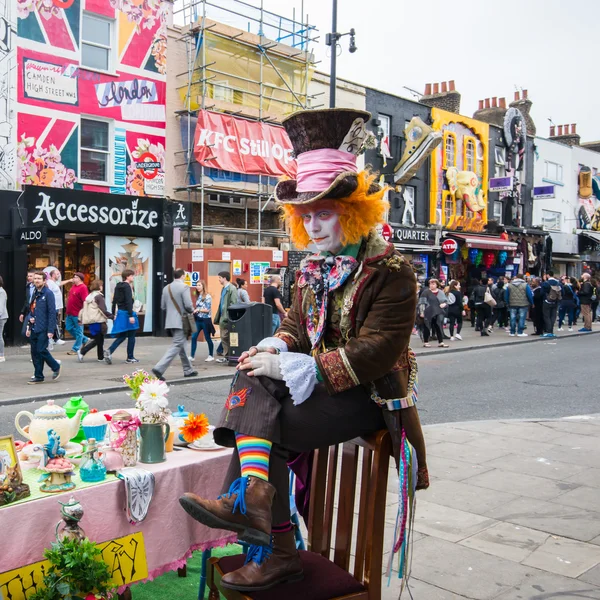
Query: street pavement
x=512, y=512
x=93, y=377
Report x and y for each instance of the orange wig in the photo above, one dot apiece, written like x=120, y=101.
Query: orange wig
x=359, y=213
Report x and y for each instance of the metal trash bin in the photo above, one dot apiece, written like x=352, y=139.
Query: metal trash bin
x=248, y=325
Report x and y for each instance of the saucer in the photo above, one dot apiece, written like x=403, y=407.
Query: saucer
x=209, y=446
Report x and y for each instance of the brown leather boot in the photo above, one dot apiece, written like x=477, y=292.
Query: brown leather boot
x=266, y=567
x=245, y=509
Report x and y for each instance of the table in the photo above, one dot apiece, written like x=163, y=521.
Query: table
x=170, y=535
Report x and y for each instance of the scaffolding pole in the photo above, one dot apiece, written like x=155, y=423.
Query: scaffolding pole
x=196, y=41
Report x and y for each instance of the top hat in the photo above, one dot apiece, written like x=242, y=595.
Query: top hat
x=326, y=145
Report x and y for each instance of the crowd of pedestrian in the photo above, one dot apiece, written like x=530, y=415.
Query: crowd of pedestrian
x=86, y=316
x=506, y=304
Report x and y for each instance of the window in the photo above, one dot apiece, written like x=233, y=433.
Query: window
x=221, y=91
x=385, y=126
x=448, y=207
x=469, y=158
x=551, y=220
x=449, y=150
x=225, y=200
x=96, y=42
x=498, y=211
x=94, y=160
x=500, y=156
x=554, y=172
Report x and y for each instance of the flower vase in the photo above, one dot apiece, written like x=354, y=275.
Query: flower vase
x=153, y=437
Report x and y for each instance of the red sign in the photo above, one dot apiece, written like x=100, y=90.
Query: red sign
x=148, y=165
x=449, y=246
x=387, y=233
x=231, y=144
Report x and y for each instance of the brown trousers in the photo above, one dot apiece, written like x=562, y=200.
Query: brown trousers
x=321, y=420
x=586, y=313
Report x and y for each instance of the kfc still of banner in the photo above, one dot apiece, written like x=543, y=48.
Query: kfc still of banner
x=233, y=144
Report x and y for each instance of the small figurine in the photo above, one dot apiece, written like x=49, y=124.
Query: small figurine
x=68, y=528
x=12, y=487
x=59, y=470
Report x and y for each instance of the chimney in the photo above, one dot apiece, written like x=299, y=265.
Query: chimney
x=487, y=103
x=481, y=105
x=492, y=111
x=566, y=134
x=502, y=102
x=494, y=102
x=523, y=103
x=443, y=96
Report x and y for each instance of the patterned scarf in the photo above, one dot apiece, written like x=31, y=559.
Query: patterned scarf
x=323, y=275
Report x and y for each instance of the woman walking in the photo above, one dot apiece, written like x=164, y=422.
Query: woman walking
x=3, y=317
x=455, y=309
x=94, y=315
x=500, y=310
x=202, y=315
x=434, y=312
x=243, y=297
x=126, y=321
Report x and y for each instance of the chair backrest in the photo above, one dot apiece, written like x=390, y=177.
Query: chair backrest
x=335, y=474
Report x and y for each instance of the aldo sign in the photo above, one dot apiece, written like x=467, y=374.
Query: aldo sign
x=32, y=235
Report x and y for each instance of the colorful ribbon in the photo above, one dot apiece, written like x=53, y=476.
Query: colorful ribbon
x=122, y=428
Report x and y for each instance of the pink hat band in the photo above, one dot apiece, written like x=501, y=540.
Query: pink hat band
x=317, y=169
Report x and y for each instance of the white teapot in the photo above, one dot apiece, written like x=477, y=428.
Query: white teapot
x=49, y=416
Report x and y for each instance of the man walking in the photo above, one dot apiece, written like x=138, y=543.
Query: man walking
x=29, y=291
x=586, y=297
x=518, y=297
x=40, y=328
x=229, y=296
x=77, y=295
x=273, y=298
x=551, y=297
x=176, y=301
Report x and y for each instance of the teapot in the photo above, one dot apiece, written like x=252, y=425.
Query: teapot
x=177, y=420
x=49, y=416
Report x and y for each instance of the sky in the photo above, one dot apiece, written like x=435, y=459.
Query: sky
x=490, y=48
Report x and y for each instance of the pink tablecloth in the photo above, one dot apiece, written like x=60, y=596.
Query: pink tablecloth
x=170, y=535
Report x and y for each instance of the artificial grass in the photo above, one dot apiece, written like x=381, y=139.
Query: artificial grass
x=172, y=587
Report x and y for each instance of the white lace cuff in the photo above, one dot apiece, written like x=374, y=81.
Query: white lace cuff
x=272, y=342
x=299, y=371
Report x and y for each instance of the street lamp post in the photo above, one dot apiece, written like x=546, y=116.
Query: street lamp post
x=331, y=40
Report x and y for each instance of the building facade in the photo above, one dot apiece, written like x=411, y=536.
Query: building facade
x=84, y=136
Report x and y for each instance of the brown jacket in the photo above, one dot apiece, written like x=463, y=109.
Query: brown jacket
x=378, y=314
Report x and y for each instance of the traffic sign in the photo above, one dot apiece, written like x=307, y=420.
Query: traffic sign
x=387, y=233
x=449, y=246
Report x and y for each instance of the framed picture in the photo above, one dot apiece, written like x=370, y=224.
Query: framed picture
x=8, y=459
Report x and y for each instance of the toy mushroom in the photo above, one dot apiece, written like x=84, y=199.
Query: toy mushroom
x=58, y=469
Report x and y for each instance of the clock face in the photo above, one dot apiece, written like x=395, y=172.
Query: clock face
x=415, y=133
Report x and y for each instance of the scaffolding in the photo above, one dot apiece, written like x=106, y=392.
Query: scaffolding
x=250, y=63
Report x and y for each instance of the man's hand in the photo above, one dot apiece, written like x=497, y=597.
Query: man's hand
x=50, y=336
x=21, y=318
x=132, y=320
x=253, y=351
x=263, y=363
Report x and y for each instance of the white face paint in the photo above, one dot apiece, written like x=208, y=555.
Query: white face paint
x=322, y=223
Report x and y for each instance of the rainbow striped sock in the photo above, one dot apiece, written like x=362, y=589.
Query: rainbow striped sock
x=254, y=455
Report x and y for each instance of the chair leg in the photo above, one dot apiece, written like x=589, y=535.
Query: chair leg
x=182, y=572
x=203, y=572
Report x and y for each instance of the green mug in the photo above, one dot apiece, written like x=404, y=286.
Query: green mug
x=152, y=442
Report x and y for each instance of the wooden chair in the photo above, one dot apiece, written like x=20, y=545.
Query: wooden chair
x=330, y=530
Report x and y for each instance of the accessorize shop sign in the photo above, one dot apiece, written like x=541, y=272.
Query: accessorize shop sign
x=232, y=144
x=89, y=212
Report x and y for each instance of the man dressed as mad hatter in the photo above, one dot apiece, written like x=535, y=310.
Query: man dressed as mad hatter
x=339, y=367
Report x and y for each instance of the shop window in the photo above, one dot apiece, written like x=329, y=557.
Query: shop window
x=551, y=220
x=554, y=172
x=449, y=207
x=498, y=211
x=470, y=154
x=94, y=163
x=449, y=150
x=96, y=42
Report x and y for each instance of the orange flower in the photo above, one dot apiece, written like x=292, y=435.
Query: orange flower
x=194, y=427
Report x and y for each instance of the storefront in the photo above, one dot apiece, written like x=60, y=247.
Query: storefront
x=476, y=256
x=96, y=234
x=420, y=246
x=565, y=254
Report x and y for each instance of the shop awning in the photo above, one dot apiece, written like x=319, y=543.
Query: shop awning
x=416, y=248
x=485, y=242
x=591, y=234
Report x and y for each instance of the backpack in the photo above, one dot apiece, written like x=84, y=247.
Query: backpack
x=554, y=294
